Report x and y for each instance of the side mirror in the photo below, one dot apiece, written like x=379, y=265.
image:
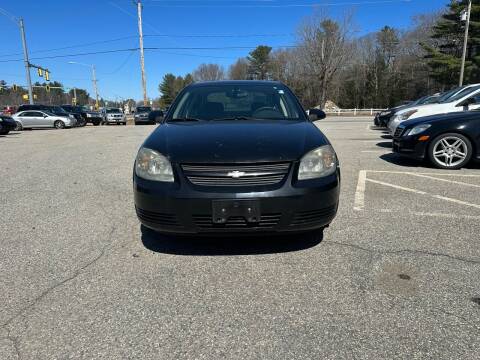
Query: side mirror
x=45, y=115
x=316, y=114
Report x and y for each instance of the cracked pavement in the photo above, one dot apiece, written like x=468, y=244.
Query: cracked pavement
x=80, y=279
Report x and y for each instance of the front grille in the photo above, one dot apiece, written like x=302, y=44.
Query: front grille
x=158, y=218
x=312, y=216
x=236, y=175
x=267, y=221
x=398, y=131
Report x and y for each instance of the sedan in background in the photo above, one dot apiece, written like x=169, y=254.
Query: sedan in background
x=41, y=119
x=448, y=141
x=237, y=157
x=7, y=124
x=114, y=116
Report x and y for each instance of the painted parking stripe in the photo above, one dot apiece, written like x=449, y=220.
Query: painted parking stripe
x=359, y=203
x=421, y=173
x=445, y=180
x=456, y=201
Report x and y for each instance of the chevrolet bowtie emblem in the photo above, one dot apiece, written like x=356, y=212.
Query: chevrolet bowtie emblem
x=236, y=174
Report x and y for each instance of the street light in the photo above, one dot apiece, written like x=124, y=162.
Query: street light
x=94, y=80
x=465, y=16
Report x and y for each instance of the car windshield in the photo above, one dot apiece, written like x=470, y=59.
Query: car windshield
x=113, y=111
x=462, y=94
x=58, y=110
x=447, y=95
x=144, y=109
x=236, y=102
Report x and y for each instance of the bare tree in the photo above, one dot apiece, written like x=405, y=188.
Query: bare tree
x=239, y=70
x=209, y=72
x=325, y=45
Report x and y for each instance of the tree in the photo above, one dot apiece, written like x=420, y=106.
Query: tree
x=259, y=60
x=170, y=87
x=209, y=72
x=239, y=70
x=325, y=46
x=444, y=55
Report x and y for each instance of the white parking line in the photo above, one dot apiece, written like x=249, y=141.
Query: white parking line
x=445, y=180
x=397, y=187
x=456, y=201
x=421, y=173
x=359, y=203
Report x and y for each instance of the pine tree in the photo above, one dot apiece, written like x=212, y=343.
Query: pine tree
x=445, y=57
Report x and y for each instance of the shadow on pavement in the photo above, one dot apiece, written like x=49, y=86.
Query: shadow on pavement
x=215, y=246
x=385, y=144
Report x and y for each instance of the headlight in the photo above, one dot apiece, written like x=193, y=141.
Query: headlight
x=318, y=163
x=385, y=113
x=418, y=129
x=406, y=116
x=89, y=115
x=152, y=165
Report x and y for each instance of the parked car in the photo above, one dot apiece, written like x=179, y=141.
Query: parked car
x=155, y=116
x=466, y=99
x=7, y=124
x=142, y=115
x=383, y=118
x=56, y=110
x=448, y=141
x=41, y=119
x=237, y=157
x=8, y=110
x=93, y=117
x=114, y=116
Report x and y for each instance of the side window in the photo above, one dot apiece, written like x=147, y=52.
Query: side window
x=36, y=114
x=27, y=114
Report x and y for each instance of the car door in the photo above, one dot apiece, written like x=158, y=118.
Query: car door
x=40, y=119
x=28, y=118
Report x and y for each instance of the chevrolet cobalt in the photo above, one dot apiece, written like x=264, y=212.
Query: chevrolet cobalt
x=237, y=157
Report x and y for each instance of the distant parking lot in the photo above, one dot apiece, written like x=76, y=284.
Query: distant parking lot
x=396, y=273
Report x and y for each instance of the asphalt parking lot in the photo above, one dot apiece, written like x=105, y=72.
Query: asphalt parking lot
x=397, y=275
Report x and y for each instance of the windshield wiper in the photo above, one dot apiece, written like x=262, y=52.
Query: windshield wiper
x=184, y=119
x=237, y=118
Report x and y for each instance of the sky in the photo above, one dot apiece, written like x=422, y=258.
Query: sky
x=68, y=29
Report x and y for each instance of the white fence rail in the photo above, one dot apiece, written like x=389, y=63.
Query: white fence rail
x=353, y=112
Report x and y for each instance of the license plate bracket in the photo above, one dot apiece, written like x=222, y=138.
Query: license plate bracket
x=222, y=210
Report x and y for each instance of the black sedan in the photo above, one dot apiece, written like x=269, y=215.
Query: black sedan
x=237, y=157
x=449, y=141
x=7, y=124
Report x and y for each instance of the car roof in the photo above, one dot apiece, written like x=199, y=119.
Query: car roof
x=234, y=82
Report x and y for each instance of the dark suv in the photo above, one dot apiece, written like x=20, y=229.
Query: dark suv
x=237, y=157
x=88, y=116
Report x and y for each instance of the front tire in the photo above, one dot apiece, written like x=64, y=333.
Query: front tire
x=18, y=126
x=4, y=132
x=450, y=151
x=59, y=124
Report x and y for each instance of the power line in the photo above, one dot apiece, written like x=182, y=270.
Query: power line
x=264, y=5
x=148, y=48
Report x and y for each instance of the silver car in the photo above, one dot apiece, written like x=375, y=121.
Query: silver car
x=30, y=119
x=114, y=116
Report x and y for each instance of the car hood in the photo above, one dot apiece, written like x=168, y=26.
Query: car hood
x=235, y=141
x=461, y=115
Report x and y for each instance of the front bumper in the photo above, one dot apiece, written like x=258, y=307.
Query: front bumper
x=114, y=120
x=410, y=146
x=7, y=125
x=183, y=208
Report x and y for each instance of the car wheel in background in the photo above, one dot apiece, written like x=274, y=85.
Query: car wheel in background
x=450, y=151
x=19, y=126
x=96, y=123
x=59, y=124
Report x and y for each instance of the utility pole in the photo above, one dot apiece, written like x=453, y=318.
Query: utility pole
x=142, y=57
x=94, y=79
x=465, y=42
x=27, y=62
x=74, y=96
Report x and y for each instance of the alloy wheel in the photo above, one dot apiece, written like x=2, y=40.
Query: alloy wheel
x=450, y=151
